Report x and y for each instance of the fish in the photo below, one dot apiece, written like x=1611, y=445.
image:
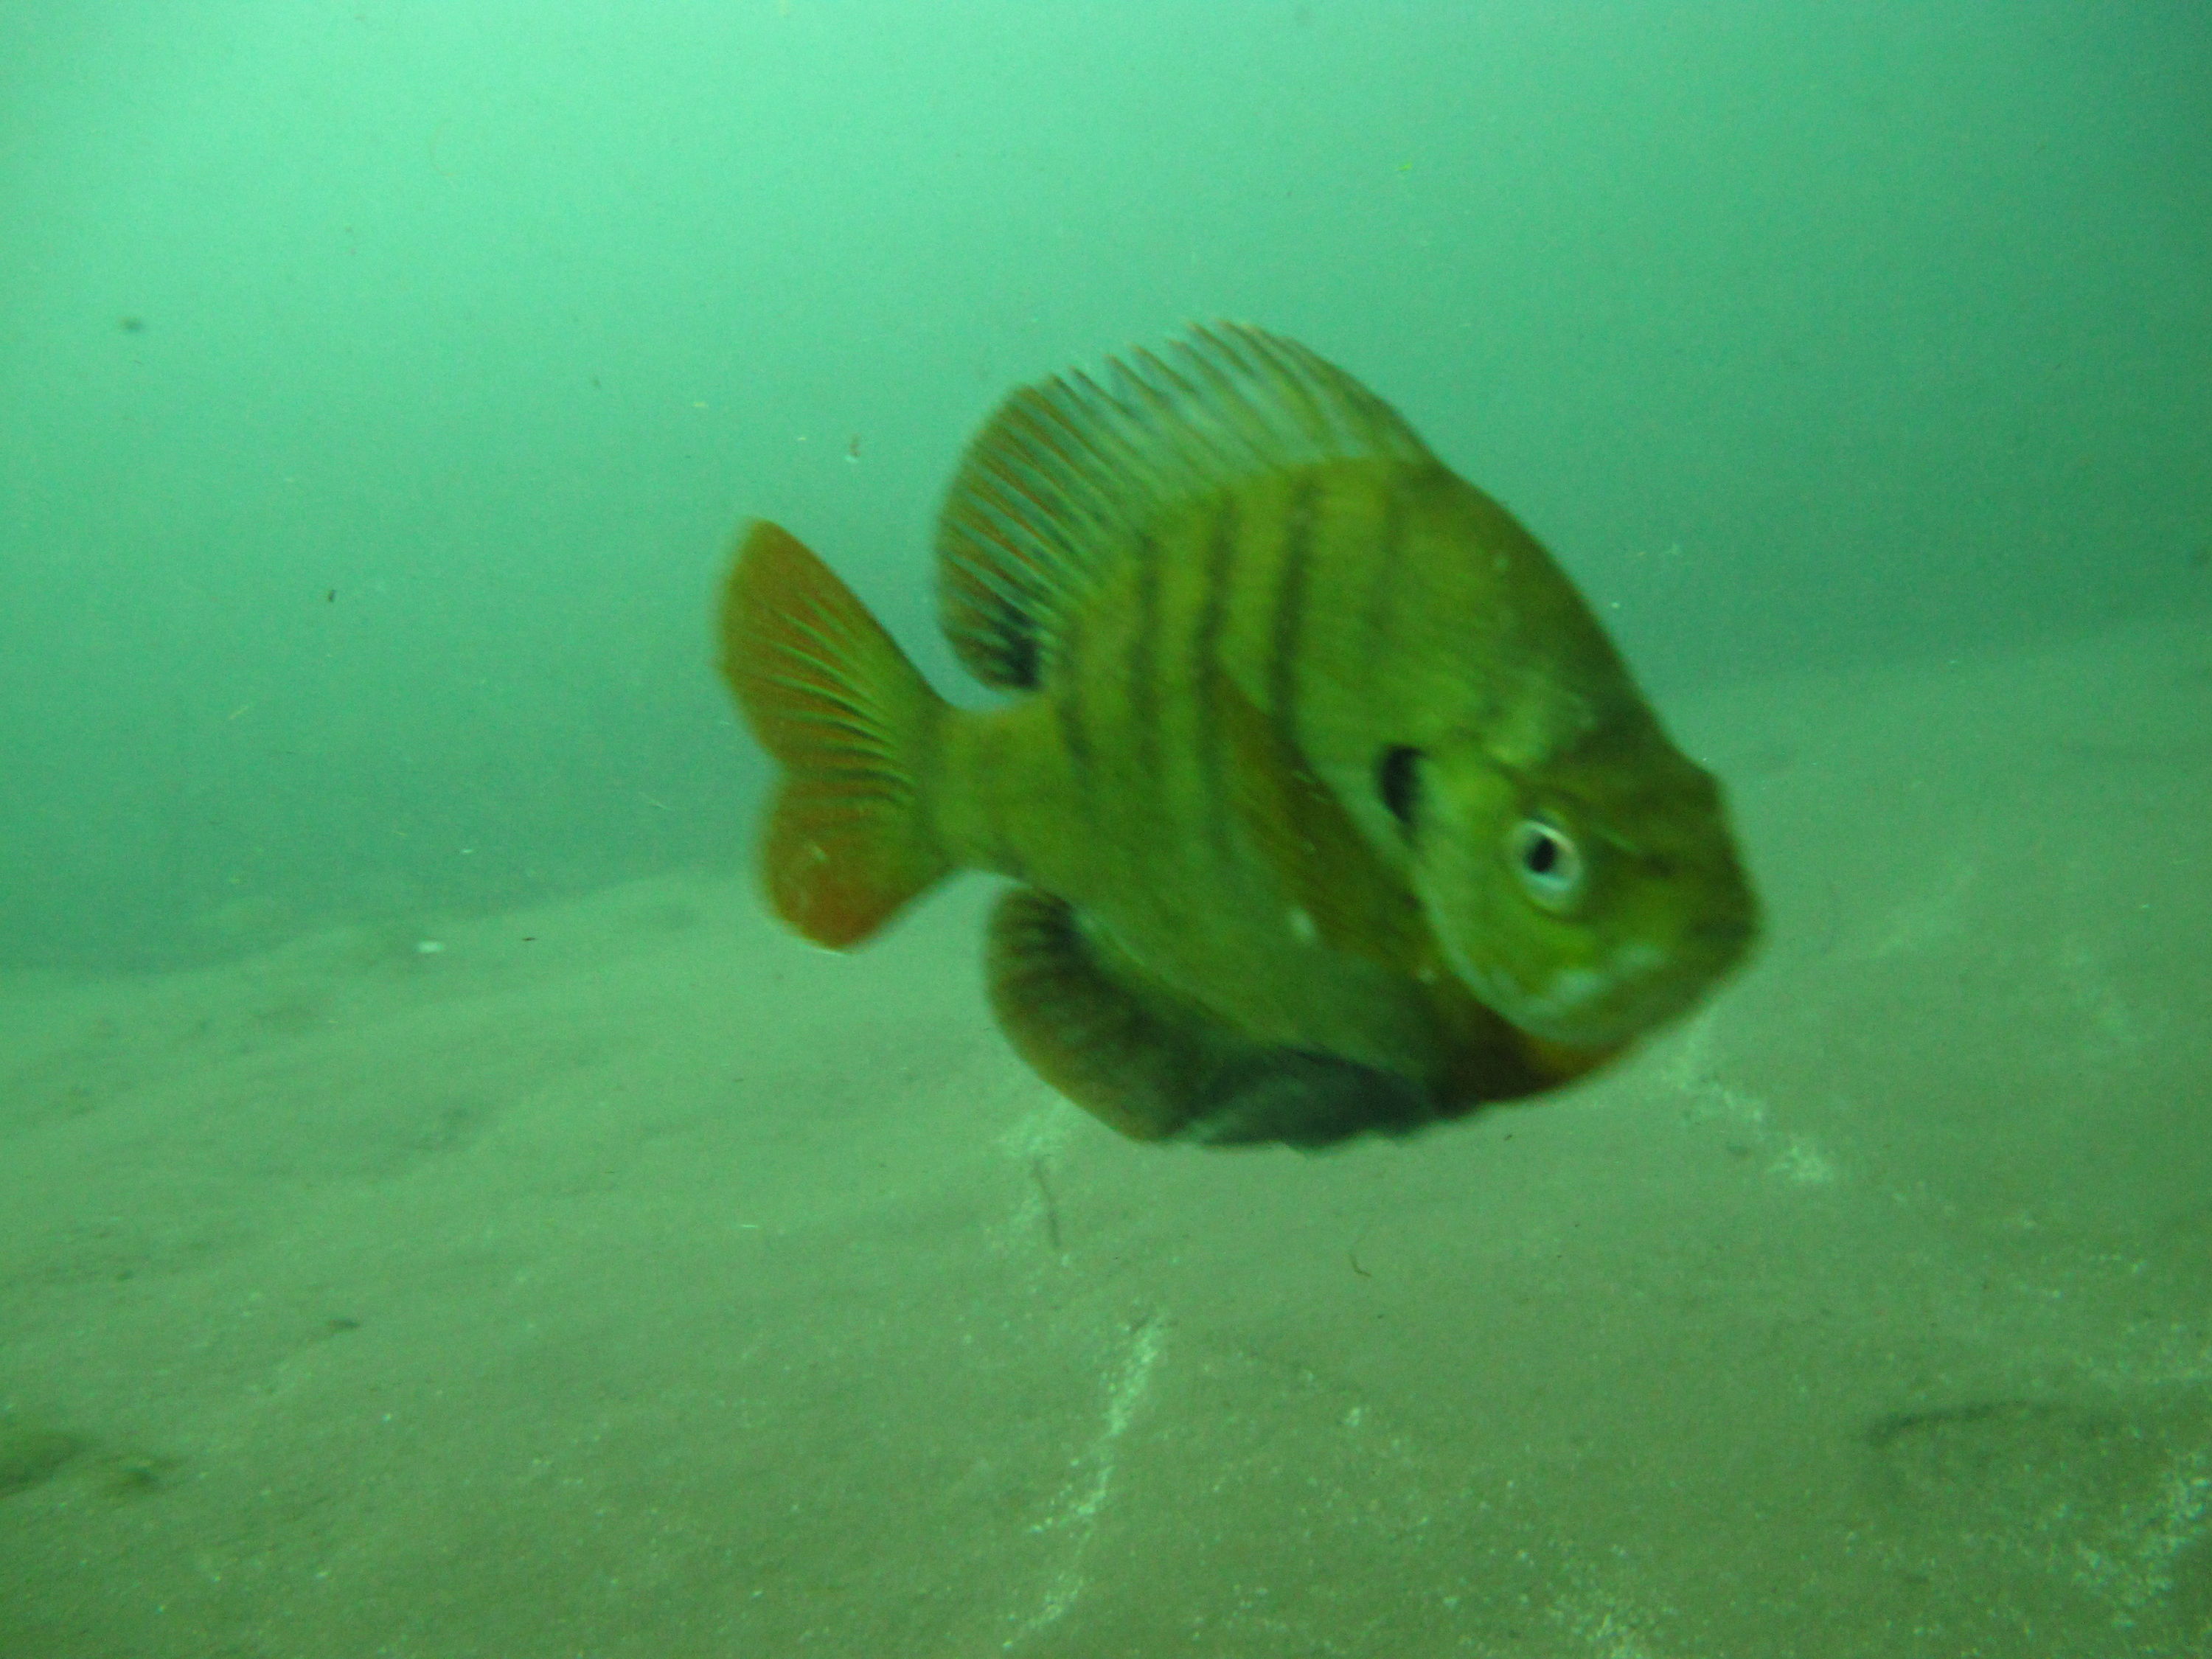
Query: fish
x=1326, y=805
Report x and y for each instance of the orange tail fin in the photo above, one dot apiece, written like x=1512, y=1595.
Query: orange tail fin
x=831, y=696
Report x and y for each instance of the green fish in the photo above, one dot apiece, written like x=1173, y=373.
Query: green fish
x=1329, y=807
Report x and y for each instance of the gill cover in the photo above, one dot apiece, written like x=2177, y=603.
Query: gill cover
x=1582, y=912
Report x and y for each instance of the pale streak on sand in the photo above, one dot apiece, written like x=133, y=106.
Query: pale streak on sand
x=1077, y=1509
x=1612, y=1630
x=1796, y=1159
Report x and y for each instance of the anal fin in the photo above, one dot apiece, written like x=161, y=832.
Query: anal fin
x=1155, y=1066
x=1090, y=1036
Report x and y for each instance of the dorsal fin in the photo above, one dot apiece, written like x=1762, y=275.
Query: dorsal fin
x=1067, y=476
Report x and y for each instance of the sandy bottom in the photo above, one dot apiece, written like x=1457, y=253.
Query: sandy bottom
x=626, y=1278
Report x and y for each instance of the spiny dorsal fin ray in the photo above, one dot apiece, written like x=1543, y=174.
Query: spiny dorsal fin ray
x=1069, y=476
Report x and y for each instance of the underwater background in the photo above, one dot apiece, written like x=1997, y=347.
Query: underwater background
x=440, y=1215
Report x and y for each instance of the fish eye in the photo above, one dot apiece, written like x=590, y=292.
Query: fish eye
x=1547, y=860
x=1397, y=781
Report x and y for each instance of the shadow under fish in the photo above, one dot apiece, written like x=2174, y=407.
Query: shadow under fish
x=1330, y=806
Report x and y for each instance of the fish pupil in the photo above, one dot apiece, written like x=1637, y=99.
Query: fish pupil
x=1541, y=855
x=1395, y=780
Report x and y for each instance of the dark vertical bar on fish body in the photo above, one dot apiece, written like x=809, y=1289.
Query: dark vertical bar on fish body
x=1140, y=674
x=1064, y=685
x=993, y=749
x=1385, y=577
x=1286, y=626
x=1209, y=761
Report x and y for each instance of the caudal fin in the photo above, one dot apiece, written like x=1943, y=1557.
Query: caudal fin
x=832, y=697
